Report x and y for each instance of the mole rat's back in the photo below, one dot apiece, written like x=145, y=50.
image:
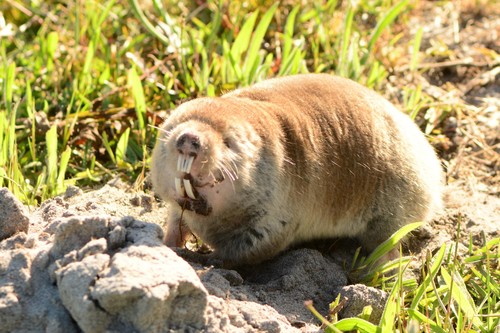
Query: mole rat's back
x=360, y=167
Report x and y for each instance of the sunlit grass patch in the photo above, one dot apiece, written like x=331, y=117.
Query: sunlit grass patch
x=81, y=82
x=454, y=293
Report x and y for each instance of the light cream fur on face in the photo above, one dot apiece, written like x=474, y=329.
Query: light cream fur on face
x=291, y=160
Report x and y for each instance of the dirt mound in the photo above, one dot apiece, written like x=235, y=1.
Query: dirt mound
x=83, y=266
x=95, y=262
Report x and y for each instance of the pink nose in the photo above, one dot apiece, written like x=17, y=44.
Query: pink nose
x=188, y=144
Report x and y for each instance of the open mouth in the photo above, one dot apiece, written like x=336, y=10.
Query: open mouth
x=189, y=198
x=184, y=186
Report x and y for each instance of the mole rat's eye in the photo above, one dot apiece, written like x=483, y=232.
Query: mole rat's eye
x=227, y=142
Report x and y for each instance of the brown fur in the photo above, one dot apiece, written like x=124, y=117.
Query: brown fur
x=318, y=156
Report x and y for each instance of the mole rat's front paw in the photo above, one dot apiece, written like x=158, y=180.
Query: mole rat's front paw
x=176, y=234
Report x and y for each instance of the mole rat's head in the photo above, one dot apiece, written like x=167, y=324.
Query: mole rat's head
x=201, y=159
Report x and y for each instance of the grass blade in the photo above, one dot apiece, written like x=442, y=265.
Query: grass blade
x=426, y=320
x=386, y=21
x=121, y=148
x=137, y=92
x=250, y=67
x=51, y=141
x=391, y=243
x=63, y=165
x=461, y=295
x=434, y=270
x=136, y=9
x=346, y=38
x=361, y=325
x=288, y=35
x=9, y=86
x=107, y=146
x=242, y=41
x=415, y=49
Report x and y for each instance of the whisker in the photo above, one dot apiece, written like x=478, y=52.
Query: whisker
x=162, y=129
x=231, y=170
x=231, y=179
x=227, y=172
x=234, y=167
x=289, y=161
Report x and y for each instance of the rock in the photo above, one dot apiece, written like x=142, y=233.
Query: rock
x=10, y=308
x=144, y=286
x=74, y=282
x=358, y=296
x=95, y=274
x=75, y=232
x=240, y=316
x=72, y=191
x=260, y=318
x=215, y=282
x=152, y=290
x=13, y=215
x=29, y=302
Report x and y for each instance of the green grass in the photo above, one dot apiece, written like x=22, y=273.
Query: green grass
x=84, y=83
x=454, y=293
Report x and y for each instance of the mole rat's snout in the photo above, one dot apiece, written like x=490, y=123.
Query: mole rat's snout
x=188, y=144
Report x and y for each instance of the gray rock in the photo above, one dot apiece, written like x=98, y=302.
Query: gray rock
x=75, y=232
x=10, y=308
x=151, y=289
x=13, y=215
x=72, y=191
x=74, y=282
x=95, y=274
x=143, y=287
x=29, y=302
x=242, y=316
x=358, y=296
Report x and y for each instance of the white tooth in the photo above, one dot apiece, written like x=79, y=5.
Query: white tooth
x=178, y=187
x=179, y=163
x=185, y=162
x=189, y=189
x=189, y=164
x=183, y=166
